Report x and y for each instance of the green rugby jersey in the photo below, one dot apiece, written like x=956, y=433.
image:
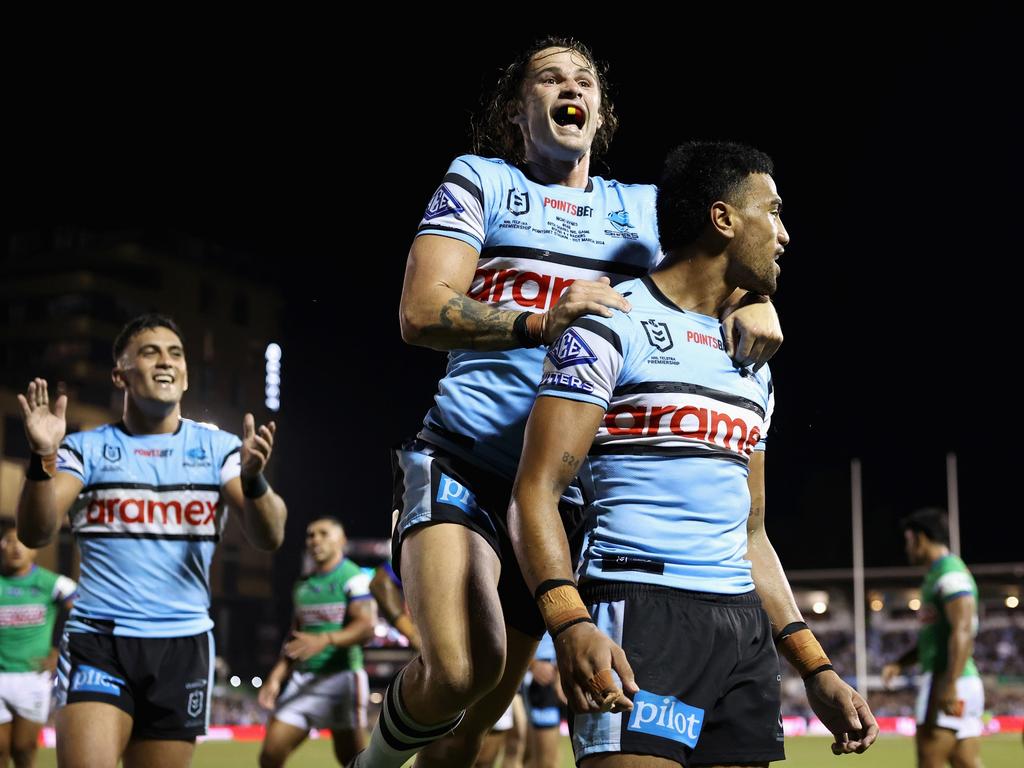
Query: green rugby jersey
x=947, y=580
x=28, y=610
x=321, y=605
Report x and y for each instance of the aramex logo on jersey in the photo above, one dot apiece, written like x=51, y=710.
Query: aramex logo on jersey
x=687, y=421
x=154, y=515
x=527, y=289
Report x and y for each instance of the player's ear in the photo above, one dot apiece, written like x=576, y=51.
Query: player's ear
x=117, y=376
x=722, y=218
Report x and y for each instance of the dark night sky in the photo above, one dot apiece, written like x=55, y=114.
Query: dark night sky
x=897, y=153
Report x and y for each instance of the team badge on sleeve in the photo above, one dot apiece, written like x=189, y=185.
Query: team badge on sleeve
x=570, y=349
x=442, y=204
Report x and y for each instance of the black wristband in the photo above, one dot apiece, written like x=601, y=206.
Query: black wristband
x=520, y=332
x=547, y=586
x=255, y=487
x=585, y=620
x=35, y=469
x=813, y=672
x=789, y=629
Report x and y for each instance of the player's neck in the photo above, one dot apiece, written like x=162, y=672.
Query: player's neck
x=566, y=173
x=694, y=281
x=936, y=552
x=152, y=420
x=329, y=565
x=19, y=572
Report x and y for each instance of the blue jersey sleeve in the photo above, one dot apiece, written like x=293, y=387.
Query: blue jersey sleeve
x=457, y=209
x=70, y=456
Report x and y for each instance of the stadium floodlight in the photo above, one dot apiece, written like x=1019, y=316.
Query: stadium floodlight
x=272, y=383
x=257, y=682
x=877, y=605
x=819, y=607
x=914, y=604
x=235, y=681
x=1012, y=601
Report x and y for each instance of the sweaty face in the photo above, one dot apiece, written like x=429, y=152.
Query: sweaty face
x=760, y=236
x=14, y=556
x=560, y=106
x=152, y=366
x=324, y=541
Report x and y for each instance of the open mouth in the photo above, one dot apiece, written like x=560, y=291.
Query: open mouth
x=569, y=114
x=163, y=378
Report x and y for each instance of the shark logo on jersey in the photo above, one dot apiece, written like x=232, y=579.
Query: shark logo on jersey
x=442, y=204
x=658, y=334
x=111, y=453
x=518, y=202
x=620, y=220
x=570, y=349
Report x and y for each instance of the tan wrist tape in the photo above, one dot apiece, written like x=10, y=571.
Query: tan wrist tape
x=561, y=606
x=799, y=645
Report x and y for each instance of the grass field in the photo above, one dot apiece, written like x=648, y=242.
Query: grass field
x=1002, y=751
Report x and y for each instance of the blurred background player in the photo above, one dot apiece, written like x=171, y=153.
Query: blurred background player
x=146, y=498
x=386, y=588
x=544, y=705
x=508, y=252
x=322, y=660
x=951, y=697
x=31, y=598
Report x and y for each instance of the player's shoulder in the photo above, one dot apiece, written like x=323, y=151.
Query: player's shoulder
x=483, y=167
x=203, y=430
x=96, y=434
x=639, y=190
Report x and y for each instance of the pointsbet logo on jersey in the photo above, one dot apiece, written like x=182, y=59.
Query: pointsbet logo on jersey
x=667, y=717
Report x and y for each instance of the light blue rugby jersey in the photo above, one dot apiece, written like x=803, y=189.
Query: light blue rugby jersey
x=147, y=521
x=533, y=240
x=666, y=478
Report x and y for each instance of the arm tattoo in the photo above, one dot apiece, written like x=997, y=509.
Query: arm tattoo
x=570, y=461
x=479, y=324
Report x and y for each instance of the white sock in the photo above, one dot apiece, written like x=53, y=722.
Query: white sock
x=397, y=737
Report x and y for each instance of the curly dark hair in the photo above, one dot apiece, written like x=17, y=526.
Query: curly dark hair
x=494, y=133
x=695, y=176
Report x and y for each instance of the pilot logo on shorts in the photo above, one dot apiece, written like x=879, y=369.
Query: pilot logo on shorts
x=666, y=717
x=195, y=703
x=92, y=680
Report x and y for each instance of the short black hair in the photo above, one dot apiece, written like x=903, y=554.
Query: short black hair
x=695, y=176
x=329, y=519
x=931, y=521
x=142, y=323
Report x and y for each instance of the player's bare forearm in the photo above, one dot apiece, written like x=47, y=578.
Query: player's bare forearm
x=280, y=670
x=37, y=513
x=766, y=570
x=264, y=519
x=463, y=323
x=42, y=505
x=436, y=311
x=558, y=437
x=389, y=598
